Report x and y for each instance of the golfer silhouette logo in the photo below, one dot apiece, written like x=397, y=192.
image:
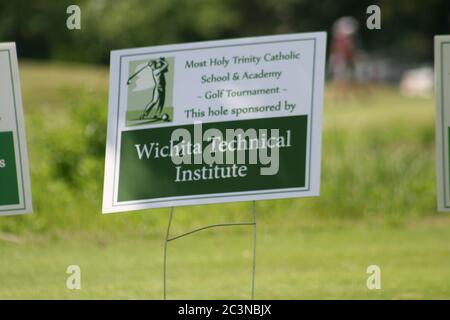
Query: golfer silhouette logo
x=149, y=76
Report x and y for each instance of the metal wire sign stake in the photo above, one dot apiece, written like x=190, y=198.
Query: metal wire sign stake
x=219, y=225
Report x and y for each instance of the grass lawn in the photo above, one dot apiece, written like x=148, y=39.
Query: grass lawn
x=377, y=206
x=329, y=263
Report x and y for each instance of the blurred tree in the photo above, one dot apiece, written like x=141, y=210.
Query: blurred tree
x=39, y=28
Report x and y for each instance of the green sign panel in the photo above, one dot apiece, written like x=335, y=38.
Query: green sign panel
x=9, y=192
x=203, y=179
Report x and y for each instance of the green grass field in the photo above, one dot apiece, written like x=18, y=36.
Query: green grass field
x=377, y=206
x=329, y=263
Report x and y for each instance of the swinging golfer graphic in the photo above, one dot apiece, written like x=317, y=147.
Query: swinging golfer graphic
x=157, y=69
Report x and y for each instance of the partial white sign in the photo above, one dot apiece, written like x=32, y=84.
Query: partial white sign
x=15, y=191
x=442, y=87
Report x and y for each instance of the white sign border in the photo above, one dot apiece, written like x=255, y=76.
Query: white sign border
x=110, y=204
x=20, y=141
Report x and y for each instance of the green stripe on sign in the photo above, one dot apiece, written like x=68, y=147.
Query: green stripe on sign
x=9, y=191
x=156, y=176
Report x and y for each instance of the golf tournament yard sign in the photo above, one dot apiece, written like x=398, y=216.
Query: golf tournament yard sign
x=442, y=87
x=15, y=194
x=217, y=121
